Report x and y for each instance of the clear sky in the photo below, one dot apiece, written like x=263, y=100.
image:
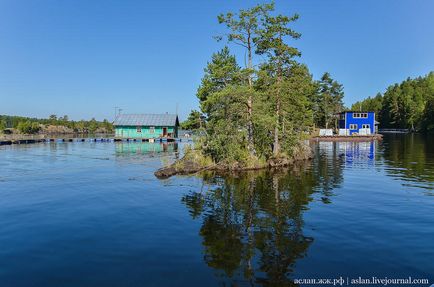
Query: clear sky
x=84, y=57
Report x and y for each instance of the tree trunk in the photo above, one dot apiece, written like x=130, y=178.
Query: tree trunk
x=250, y=142
x=276, y=137
x=276, y=147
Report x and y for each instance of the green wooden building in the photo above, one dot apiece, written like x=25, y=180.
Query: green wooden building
x=146, y=126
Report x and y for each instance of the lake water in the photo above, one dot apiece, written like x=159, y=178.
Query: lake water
x=93, y=214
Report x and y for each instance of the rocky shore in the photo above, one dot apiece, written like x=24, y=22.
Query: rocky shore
x=194, y=162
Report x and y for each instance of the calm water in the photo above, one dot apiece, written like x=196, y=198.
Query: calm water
x=93, y=214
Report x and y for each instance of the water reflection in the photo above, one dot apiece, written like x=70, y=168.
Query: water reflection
x=252, y=224
x=262, y=228
x=146, y=152
x=357, y=152
x=327, y=166
x=410, y=158
x=144, y=147
x=351, y=153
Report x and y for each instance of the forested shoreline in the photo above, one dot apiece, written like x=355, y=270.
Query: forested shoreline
x=52, y=125
x=407, y=105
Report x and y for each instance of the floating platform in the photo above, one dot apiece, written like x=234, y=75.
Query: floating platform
x=60, y=140
x=26, y=141
x=147, y=140
x=394, y=131
x=354, y=138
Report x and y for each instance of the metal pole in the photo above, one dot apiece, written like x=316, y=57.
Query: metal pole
x=116, y=112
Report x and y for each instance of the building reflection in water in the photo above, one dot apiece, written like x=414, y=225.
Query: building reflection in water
x=360, y=153
x=145, y=152
x=144, y=147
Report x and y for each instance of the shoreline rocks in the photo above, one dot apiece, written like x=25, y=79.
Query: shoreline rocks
x=186, y=166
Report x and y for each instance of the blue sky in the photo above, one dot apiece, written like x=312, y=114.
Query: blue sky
x=84, y=57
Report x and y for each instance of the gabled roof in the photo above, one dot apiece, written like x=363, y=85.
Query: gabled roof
x=146, y=120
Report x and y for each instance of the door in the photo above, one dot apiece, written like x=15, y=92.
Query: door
x=164, y=132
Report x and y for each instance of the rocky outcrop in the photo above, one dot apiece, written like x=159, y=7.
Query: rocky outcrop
x=189, y=165
x=182, y=167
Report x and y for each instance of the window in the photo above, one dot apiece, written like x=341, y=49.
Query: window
x=353, y=127
x=151, y=130
x=139, y=129
x=360, y=115
x=343, y=116
x=366, y=126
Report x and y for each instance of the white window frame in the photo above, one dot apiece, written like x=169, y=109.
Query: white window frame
x=366, y=126
x=139, y=129
x=354, y=127
x=360, y=115
x=151, y=130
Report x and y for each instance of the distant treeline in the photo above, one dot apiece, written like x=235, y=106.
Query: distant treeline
x=409, y=104
x=53, y=124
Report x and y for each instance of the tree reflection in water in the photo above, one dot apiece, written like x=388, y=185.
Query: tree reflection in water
x=252, y=224
x=410, y=157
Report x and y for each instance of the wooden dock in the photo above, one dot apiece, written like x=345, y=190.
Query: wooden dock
x=354, y=138
x=101, y=140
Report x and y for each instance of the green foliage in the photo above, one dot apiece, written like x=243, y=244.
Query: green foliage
x=28, y=127
x=2, y=126
x=77, y=126
x=193, y=122
x=245, y=23
x=219, y=73
x=108, y=126
x=257, y=108
x=271, y=40
x=295, y=115
x=245, y=28
x=226, y=126
x=374, y=104
x=405, y=105
x=195, y=156
x=427, y=123
x=327, y=102
x=283, y=102
x=93, y=125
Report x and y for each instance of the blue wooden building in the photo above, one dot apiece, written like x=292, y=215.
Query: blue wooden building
x=352, y=122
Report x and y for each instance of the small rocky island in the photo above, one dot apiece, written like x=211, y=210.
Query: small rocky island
x=258, y=115
x=194, y=162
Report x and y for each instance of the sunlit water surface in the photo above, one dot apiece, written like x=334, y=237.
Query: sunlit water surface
x=93, y=214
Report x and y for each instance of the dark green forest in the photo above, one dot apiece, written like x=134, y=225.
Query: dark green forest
x=409, y=104
x=53, y=124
